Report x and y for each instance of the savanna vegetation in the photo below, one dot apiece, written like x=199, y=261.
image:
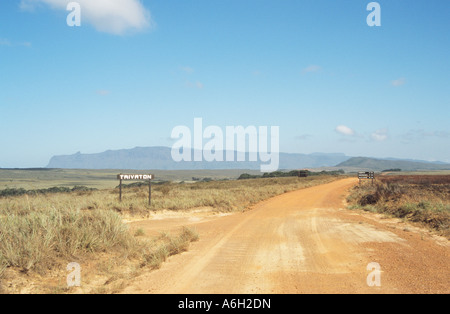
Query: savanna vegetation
x=292, y=173
x=423, y=199
x=43, y=230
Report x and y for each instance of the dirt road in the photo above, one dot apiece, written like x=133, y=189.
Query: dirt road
x=303, y=242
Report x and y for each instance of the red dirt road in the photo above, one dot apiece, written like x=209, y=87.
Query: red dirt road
x=302, y=242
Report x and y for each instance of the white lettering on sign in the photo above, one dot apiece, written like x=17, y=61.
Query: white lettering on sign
x=135, y=177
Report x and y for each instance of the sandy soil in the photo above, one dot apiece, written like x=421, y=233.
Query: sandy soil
x=300, y=242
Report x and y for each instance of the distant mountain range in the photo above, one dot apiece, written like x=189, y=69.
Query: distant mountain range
x=160, y=158
x=374, y=164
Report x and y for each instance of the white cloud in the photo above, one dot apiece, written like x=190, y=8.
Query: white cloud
x=420, y=134
x=312, y=69
x=5, y=42
x=196, y=84
x=103, y=92
x=399, y=82
x=187, y=69
x=256, y=73
x=303, y=137
x=345, y=130
x=380, y=135
x=116, y=17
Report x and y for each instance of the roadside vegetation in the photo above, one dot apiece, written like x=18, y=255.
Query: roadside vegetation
x=228, y=196
x=53, y=190
x=423, y=199
x=44, y=230
x=293, y=173
x=167, y=245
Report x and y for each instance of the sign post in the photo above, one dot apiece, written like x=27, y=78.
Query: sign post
x=120, y=191
x=136, y=177
x=303, y=173
x=369, y=175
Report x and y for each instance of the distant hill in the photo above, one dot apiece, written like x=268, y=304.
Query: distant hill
x=374, y=164
x=160, y=158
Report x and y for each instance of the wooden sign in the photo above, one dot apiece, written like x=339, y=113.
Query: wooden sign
x=303, y=173
x=136, y=177
x=368, y=175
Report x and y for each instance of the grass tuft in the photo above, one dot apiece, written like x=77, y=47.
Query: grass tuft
x=35, y=240
x=166, y=245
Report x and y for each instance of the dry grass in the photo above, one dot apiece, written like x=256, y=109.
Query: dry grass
x=167, y=245
x=41, y=232
x=420, y=199
x=227, y=196
x=37, y=239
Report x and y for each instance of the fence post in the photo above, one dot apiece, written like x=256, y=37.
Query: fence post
x=120, y=191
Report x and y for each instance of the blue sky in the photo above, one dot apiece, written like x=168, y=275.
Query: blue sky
x=134, y=70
